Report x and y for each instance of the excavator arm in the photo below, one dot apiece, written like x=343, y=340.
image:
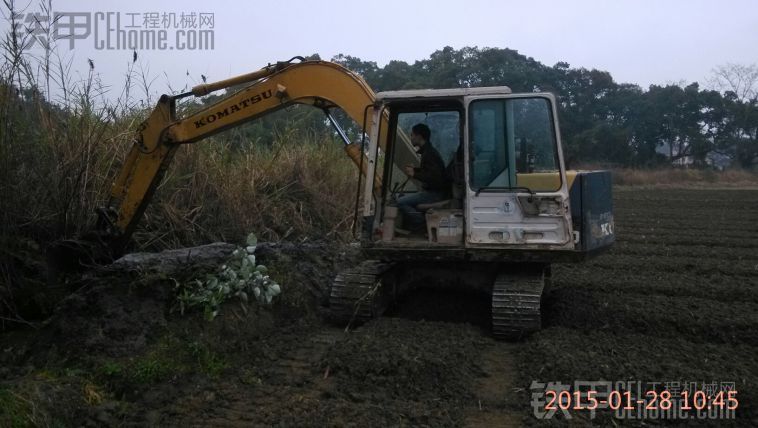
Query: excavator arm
x=321, y=84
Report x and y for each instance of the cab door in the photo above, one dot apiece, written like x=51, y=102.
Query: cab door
x=516, y=193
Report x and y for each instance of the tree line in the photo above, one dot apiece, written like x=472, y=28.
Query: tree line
x=603, y=121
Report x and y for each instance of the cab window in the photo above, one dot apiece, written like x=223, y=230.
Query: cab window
x=512, y=144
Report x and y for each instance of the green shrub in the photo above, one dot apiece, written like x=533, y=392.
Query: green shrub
x=239, y=277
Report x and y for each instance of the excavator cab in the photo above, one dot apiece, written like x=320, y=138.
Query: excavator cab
x=511, y=209
x=507, y=186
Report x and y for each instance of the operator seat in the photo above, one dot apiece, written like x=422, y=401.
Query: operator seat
x=453, y=203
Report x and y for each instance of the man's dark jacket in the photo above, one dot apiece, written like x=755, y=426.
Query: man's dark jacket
x=432, y=170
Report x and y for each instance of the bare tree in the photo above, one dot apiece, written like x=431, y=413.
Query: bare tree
x=738, y=78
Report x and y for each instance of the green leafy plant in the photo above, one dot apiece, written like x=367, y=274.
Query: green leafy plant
x=208, y=361
x=239, y=277
x=111, y=369
x=151, y=370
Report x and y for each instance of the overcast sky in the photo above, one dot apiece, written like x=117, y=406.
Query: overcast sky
x=643, y=42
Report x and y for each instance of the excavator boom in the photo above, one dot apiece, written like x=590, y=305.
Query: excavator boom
x=324, y=85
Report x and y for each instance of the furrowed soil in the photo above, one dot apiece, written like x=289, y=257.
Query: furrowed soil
x=674, y=302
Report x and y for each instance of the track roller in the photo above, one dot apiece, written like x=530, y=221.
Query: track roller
x=358, y=294
x=516, y=303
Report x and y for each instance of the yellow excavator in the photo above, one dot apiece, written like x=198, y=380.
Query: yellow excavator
x=511, y=210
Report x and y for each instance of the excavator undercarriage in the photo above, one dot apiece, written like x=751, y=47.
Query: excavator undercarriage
x=366, y=291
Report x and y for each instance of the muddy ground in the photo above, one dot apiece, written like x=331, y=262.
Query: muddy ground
x=676, y=300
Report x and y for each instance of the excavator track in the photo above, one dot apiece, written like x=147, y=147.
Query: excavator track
x=357, y=294
x=516, y=304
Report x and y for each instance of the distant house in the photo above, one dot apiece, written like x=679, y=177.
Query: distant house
x=684, y=161
x=716, y=160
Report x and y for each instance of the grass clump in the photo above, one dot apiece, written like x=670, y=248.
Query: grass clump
x=169, y=358
x=15, y=411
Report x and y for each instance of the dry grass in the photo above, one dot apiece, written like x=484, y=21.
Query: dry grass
x=54, y=175
x=735, y=178
x=295, y=190
x=62, y=141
